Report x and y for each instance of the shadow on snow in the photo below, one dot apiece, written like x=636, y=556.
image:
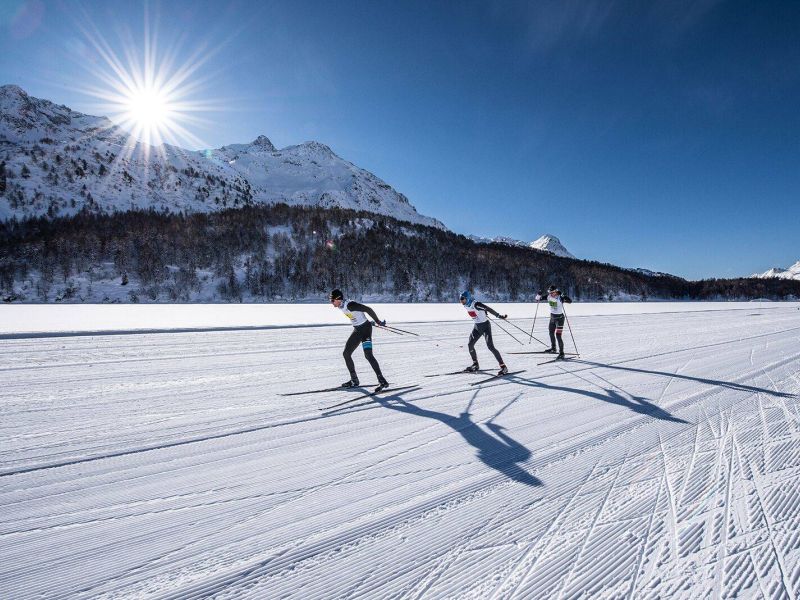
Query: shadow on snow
x=637, y=404
x=739, y=387
x=498, y=451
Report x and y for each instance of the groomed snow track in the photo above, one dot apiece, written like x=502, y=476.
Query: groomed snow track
x=663, y=462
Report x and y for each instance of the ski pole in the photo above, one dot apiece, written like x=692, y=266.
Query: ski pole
x=570, y=333
x=507, y=331
x=435, y=342
x=525, y=332
x=387, y=329
x=534, y=320
x=395, y=329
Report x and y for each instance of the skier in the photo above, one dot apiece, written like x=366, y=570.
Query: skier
x=478, y=310
x=556, y=302
x=362, y=333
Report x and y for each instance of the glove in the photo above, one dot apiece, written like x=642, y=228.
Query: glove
x=382, y=323
x=538, y=296
x=504, y=317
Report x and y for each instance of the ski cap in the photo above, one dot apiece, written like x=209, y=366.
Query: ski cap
x=466, y=296
x=337, y=295
x=552, y=288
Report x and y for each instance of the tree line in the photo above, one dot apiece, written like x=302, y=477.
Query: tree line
x=286, y=253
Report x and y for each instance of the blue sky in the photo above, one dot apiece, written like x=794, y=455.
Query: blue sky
x=661, y=135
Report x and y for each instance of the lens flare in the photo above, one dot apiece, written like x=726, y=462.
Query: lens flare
x=146, y=91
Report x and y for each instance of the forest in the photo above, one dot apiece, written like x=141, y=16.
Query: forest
x=281, y=253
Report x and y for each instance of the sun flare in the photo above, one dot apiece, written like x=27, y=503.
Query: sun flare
x=148, y=108
x=153, y=96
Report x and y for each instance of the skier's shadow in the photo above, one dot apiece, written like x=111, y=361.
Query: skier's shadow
x=637, y=404
x=498, y=451
x=739, y=387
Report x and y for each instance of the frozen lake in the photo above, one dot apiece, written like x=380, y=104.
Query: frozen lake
x=664, y=462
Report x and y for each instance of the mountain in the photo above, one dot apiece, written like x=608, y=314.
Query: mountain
x=792, y=272
x=58, y=161
x=550, y=243
x=546, y=243
x=498, y=240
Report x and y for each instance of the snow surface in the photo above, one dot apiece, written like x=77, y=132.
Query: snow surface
x=83, y=318
x=665, y=462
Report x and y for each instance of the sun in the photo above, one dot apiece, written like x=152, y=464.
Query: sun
x=148, y=108
x=152, y=95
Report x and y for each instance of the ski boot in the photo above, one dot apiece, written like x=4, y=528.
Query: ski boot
x=549, y=351
x=560, y=356
x=503, y=370
x=473, y=368
x=351, y=384
x=382, y=385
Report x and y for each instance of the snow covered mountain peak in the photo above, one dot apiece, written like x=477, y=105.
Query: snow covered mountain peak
x=550, y=243
x=12, y=90
x=312, y=150
x=61, y=161
x=792, y=272
x=24, y=118
x=262, y=143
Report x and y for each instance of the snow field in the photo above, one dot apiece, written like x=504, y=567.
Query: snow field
x=663, y=462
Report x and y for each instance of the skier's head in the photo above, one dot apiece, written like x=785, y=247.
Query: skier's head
x=466, y=298
x=553, y=291
x=337, y=297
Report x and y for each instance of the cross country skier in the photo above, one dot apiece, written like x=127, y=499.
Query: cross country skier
x=478, y=310
x=556, y=302
x=362, y=333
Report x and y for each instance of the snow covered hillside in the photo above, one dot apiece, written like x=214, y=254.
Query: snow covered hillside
x=792, y=272
x=57, y=161
x=662, y=463
x=550, y=243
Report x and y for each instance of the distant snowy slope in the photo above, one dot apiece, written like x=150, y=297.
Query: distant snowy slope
x=792, y=272
x=498, y=240
x=58, y=161
x=546, y=243
x=550, y=243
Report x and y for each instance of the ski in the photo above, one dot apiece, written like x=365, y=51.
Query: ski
x=367, y=395
x=547, y=362
x=461, y=372
x=543, y=352
x=495, y=377
x=327, y=390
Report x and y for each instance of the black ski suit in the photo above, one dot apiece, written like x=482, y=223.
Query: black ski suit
x=362, y=334
x=483, y=329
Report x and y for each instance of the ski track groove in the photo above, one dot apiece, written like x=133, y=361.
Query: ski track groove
x=521, y=570
x=663, y=484
x=567, y=579
x=779, y=560
x=722, y=545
